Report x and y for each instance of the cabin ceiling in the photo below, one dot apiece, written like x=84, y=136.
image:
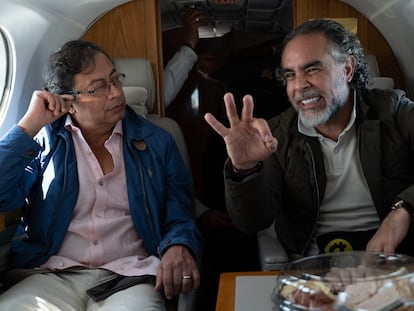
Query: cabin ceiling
x=241, y=15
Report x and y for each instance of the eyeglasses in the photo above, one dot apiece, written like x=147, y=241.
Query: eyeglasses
x=104, y=87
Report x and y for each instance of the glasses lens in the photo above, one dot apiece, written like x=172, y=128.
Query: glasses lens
x=105, y=87
x=100, y=90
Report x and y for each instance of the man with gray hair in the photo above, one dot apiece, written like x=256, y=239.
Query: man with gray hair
x=335, y=171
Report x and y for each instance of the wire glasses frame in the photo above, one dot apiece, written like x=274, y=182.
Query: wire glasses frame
x=102, y=88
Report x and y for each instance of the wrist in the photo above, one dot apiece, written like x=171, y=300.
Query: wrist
x=247, y=168
x=189, y=45
x=26, y=128
x=240, y=174
x=403, y=205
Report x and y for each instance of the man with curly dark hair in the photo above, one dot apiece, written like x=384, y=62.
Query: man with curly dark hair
x=335, y=171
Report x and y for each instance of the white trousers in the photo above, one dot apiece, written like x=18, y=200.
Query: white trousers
x=66, y=291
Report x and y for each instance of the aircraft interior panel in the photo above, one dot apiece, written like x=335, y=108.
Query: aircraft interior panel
x=394, y=20
x=34, y=29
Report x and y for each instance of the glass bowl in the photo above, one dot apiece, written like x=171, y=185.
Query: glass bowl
x=354, y=280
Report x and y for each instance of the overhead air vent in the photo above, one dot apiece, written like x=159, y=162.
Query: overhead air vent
x=242, y=15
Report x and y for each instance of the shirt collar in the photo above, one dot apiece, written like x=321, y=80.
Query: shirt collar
x=70, y=126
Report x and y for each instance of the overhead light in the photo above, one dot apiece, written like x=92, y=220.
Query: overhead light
x=218, y=29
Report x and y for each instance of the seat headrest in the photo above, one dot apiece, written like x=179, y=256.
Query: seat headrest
x=139, y=85
x=372, y=65
x=377, y=81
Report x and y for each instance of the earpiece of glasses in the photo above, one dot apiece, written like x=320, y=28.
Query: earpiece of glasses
x=102, y=88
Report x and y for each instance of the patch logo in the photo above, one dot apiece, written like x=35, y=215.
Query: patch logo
x=337, y=245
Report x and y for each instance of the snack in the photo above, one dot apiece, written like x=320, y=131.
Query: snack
x=310, y=294
x=350, y=288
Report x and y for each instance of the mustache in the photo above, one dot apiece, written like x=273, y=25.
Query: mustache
x=299, y=96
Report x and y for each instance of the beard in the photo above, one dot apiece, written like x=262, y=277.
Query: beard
x=318, y=116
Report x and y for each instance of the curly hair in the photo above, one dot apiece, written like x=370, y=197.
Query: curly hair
x=342, y=43
x=72, y=58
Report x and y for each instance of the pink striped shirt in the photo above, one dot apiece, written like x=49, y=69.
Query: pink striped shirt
x=101, y=233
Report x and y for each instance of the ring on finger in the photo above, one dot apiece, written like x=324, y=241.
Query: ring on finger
x=186, y=277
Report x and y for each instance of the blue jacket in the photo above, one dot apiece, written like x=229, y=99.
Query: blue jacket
x=42, y=174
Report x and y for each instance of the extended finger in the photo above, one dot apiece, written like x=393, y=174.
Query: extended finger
x=247, y=111
x=216, y=125
x=231, y=110
x=186, y=282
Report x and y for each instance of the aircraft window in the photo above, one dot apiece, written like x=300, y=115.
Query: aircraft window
x=5, y=70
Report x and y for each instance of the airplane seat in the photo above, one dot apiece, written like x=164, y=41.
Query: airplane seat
x=272, y=255
x=139, y=90
x=139, y=93
x=377, y=81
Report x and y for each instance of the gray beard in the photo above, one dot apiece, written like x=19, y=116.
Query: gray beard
x=323, y=116
x=331, y=110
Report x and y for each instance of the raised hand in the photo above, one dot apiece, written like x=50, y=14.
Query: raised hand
x=192, y=21
x=248, y=140
x=44, y=108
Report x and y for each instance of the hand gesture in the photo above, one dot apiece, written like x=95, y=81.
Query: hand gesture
x=177, y=272
x=248, y=140
x=44, y=108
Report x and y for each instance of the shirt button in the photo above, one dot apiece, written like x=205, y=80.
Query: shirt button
x=61, y=264
x=95, y=242
x=101, y=183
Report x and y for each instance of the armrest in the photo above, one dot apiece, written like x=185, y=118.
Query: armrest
x=186, y=302
x=8, y=224
x=9, y=218
x=6, y=237
x=271, y=252
x=183, y=302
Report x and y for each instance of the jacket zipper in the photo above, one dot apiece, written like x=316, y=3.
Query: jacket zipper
x=59, y=204
x=317, y=195
x=147, y=209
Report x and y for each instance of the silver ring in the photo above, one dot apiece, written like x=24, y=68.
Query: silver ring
x=186, y=277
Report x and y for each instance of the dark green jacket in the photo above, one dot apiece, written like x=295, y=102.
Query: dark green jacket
x=291, y=185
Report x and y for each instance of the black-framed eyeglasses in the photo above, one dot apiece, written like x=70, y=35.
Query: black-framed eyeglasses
x=103, y=87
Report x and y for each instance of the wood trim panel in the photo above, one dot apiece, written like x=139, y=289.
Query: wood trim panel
x=133, y=30
x=371, y=39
